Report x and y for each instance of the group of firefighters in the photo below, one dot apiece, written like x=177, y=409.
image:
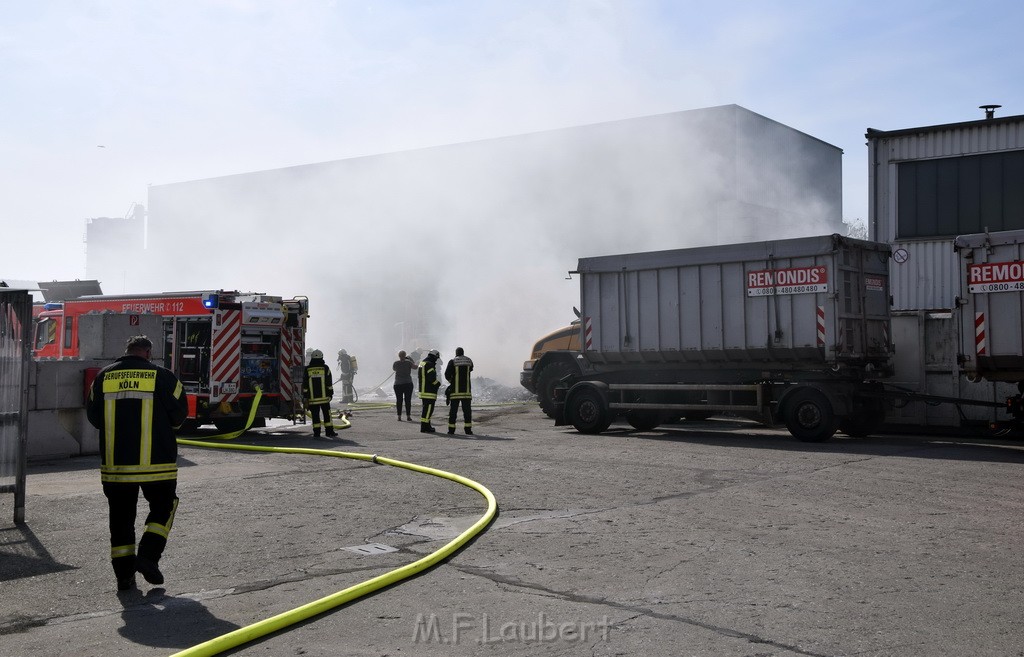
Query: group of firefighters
x=318, y=389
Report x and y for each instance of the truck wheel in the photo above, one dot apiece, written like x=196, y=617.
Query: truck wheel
x=546, y=382
x=644, y=420
x=809, y=416
x=587, y=412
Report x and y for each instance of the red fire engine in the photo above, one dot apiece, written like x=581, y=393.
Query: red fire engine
x=222, y=345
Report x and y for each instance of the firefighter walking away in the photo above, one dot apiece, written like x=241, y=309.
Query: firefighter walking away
x=136, y=406
x=317, y=391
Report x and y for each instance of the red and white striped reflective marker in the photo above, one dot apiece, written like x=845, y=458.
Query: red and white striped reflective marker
x=225, y=360
x=291, y=356
x=588, y=334
x=979, y=334
x=821, y=326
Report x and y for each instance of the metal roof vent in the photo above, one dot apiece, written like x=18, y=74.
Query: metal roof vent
x=990, y=110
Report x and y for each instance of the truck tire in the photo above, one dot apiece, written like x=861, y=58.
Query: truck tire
x=546, y=382
x=809, y=416
x=645, y=420
x=587, y=413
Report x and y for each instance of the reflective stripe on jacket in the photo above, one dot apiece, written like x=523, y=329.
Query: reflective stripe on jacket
x=429, y=383
x=317, y=383
x=457, y=373
x=136, y=405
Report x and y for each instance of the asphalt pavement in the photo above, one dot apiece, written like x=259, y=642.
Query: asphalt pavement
x=718, y=538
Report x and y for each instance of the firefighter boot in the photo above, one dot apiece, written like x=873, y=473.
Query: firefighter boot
x=150, y=572
x=124, y=571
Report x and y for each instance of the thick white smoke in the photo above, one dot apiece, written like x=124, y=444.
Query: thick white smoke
x=469, y=245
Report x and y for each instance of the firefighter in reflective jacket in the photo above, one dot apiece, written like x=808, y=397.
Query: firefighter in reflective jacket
x=429, y=385
x=460, y=390
x=136, y=406
x=318, y=390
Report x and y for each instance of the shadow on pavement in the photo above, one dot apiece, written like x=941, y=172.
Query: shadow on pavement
x=751, y=436
x=475, y=436
x=23, y=555
x=163, y=621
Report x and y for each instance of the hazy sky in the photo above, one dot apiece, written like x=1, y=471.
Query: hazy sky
x=101, y=99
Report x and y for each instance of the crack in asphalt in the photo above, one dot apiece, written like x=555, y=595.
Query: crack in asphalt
x=642, y=611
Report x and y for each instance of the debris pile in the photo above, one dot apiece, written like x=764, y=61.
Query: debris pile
x=485, y=391
x=491, y=392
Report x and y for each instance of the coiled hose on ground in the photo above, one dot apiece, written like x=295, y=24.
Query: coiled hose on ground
x=276, y=623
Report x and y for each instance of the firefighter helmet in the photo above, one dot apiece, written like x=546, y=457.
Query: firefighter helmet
x=435, y=353
x=317, y=354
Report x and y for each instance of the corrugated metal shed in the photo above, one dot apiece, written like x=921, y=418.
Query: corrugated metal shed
x=928, y=279
x=925, y=270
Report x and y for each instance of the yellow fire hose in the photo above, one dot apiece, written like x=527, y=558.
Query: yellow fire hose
x=275, y=623
x=342, y=417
